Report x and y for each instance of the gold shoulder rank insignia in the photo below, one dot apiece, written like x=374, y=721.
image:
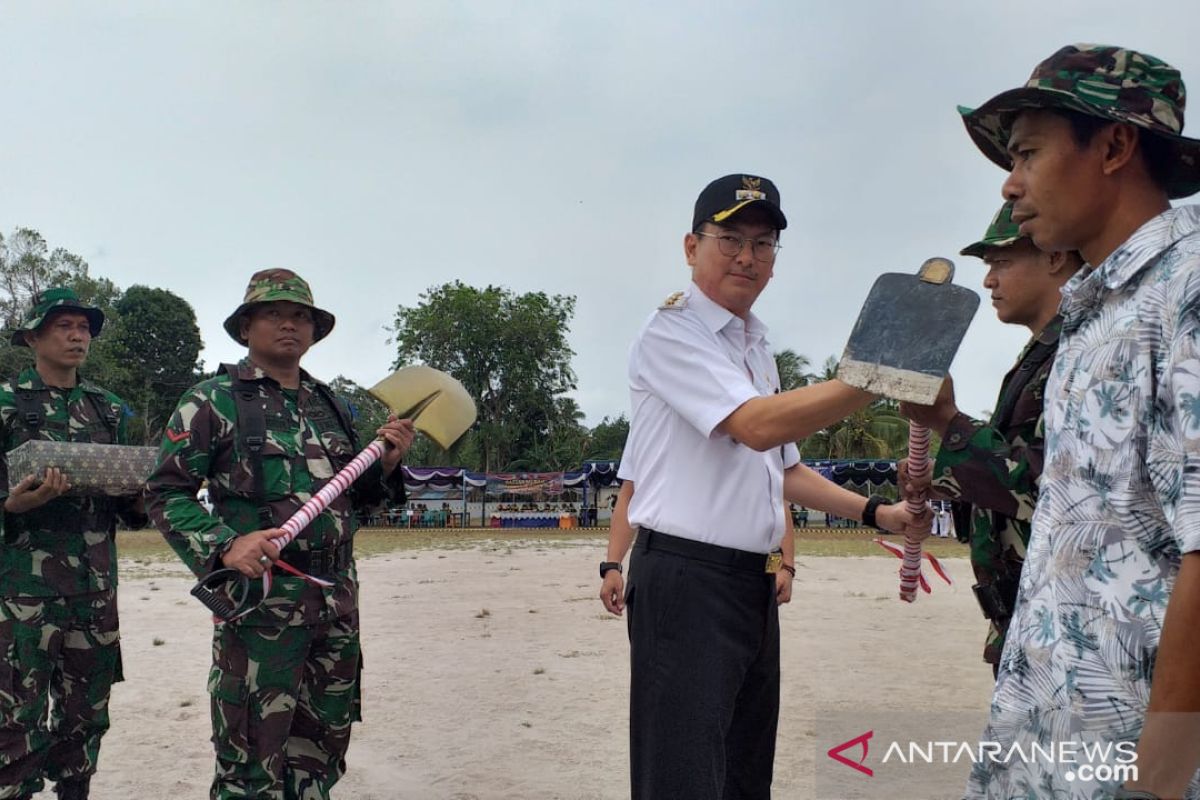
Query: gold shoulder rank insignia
x=675, y=301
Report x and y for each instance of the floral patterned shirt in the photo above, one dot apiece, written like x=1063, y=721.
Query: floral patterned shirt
x=1119, y=505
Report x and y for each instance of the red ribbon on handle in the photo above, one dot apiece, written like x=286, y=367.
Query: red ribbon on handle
x=911, y=555
x=207, y=590
x=898, y=552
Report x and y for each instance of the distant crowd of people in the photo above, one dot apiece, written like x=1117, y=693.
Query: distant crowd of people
x=541, y=508
x=943, y=520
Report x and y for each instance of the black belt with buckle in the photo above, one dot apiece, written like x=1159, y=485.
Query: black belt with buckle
x=649, y=539
x=323, y=561
x=997, y=599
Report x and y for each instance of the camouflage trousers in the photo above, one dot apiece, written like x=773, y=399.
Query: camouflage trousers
x=61, y=656
x=283, y=700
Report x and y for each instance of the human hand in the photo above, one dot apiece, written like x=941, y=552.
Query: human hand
x=898, y=519
x=938, y=416
x=253, y=553
x=612, y=592
x=915, y=490
x=783, y=586
x=398, y=435
x=33, y=492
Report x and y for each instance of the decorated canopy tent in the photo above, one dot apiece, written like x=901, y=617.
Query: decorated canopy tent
x=455, y=483
x=861, y=476
x=601, y=473
x=441, y=482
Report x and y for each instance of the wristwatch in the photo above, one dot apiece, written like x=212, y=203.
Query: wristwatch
x=605, y=566
x=873, y=503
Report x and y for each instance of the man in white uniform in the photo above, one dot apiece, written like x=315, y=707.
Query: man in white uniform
x=711, y=451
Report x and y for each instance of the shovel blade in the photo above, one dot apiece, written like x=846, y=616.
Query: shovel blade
x=439, y=405
x=906, y=337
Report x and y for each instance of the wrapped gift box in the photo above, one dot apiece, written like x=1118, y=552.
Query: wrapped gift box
x=112, y=469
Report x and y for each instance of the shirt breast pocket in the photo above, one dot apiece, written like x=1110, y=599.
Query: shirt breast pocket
x=1106, y=398
x=277, y=456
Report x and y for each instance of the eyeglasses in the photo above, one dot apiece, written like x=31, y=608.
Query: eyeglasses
x=731, y=244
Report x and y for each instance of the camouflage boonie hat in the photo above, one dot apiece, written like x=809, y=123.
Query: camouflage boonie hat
x=52, y=300
x=271, y=285
x=1001, y=233
x=1112, y=83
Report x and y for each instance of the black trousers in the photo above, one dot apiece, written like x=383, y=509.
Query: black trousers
x=704, y=695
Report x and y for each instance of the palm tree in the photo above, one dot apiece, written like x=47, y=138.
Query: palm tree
x=793, y=369
x=819, y=444
x=875, y=431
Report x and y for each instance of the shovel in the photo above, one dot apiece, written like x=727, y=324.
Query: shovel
x=439, y=407
x=901, y=347
x=907, y=333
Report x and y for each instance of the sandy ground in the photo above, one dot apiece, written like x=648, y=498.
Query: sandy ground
x=494, y=672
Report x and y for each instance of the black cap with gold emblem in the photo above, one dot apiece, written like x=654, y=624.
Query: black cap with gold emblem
x=725, y=197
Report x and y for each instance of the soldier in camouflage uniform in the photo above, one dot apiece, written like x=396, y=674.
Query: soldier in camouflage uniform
x=285, y=678
x=994, y=466
x=58, y=565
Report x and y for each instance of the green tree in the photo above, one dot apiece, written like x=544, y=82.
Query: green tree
x=369, y=414
x=876, y=431
x=608, y=439
x=148, y=355
x=148, y=350
x=510, y=351
x=566, y=442
x=793, y=370
x=28, y=266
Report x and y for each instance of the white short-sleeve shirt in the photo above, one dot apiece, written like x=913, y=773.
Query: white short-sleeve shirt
x=691, y=366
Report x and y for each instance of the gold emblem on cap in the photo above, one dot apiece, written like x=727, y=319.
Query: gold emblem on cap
x=751, y=190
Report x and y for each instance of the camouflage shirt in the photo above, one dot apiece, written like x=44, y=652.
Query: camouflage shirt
x=995, y=466
x=67, y=546
x=305, y=446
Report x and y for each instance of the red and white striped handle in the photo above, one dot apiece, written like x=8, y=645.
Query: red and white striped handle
x=294, y=525
x=918, y=470
x=329, y=492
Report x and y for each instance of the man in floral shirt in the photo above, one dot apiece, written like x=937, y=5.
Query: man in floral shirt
x=1102, y=643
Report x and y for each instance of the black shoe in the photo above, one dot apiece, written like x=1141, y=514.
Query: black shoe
x=73, y=788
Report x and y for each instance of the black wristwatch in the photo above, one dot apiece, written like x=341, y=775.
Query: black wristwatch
x=605, y=566
x=873, y=503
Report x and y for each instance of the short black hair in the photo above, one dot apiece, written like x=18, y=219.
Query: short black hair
x=1157, y=152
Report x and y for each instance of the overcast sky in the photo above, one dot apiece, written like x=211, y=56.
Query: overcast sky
x=382, y=148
